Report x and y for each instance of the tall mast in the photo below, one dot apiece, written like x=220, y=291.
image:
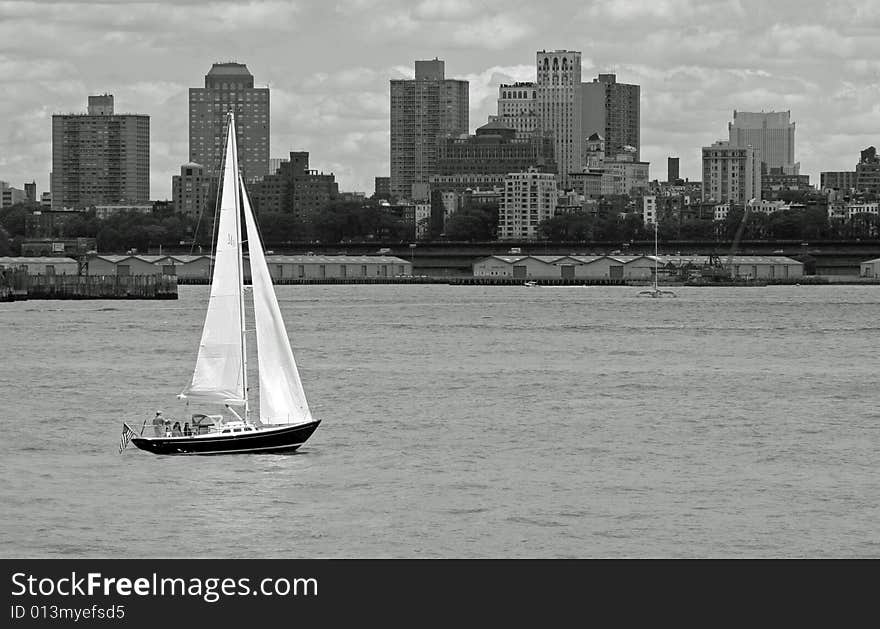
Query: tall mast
x=238, y=232
x=655, y=249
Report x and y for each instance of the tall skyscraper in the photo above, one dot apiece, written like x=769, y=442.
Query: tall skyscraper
x=100, y=157
x=672, y=174
x=731, y=173
x=612, y=110
x=229, y=87
x=771, y=133
x=423, y=110
x=559, y=107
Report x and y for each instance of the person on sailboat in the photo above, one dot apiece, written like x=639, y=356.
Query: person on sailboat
x=186, y=430
x=159, y=425
x=176, y=431
x=167, y=428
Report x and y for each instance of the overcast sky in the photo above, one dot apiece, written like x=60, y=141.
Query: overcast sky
x=328, y=63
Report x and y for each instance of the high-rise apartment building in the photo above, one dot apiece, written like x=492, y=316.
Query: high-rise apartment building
x=382, y=188
x=100, y=157
x=558, y=104
x=771, y=133
x=868, y=171
x=612, y=110
x=529, y=198
x=731, y=173
x=229, y=87
x=191, y=191
x=423, y=110
x=294, y=189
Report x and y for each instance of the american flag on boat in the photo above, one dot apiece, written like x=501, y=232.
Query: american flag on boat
x=127, y=433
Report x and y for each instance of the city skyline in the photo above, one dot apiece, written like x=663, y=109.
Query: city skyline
x=695, y=62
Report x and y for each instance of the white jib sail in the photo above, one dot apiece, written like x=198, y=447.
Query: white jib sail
x=282, y=399
x=218, y=375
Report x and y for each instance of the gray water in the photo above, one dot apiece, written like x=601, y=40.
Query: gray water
x=463, y=422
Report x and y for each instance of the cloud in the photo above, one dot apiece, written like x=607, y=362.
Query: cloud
x=328, y=66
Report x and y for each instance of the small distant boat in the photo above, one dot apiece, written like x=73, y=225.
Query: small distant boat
x=531, y=283
x=220, y=379
x=655, y=290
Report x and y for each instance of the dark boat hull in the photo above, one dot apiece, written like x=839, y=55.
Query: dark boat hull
x=273, y=441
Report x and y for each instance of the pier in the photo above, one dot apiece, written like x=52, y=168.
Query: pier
x=509, y=281
x=98, y=287
x=13, y=284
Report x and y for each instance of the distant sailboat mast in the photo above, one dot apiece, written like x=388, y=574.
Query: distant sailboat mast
x=655, y=251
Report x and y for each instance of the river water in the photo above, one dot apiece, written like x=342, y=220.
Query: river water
x=463, y=422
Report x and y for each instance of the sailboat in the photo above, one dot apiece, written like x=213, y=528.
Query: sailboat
x=655, y=290
x=219, y=385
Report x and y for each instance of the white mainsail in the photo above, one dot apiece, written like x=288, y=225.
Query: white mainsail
x=282, y=399
x=219, y=375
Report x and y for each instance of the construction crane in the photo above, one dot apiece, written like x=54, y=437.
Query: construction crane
x=717, y=271
x=737, y=236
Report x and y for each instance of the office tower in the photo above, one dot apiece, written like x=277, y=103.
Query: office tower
x=30, y=191
x=100, y=157
x=423, y=110
x=518, y=108
x=558, y=105
x=612, y=110
x=731, y=173
x=479, y=163
x=495, y=148
x=229, y=87
x=770, y=133
x=672, y=174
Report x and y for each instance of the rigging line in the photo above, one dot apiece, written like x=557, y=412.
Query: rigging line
x=192, y=244
x=216, y=181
